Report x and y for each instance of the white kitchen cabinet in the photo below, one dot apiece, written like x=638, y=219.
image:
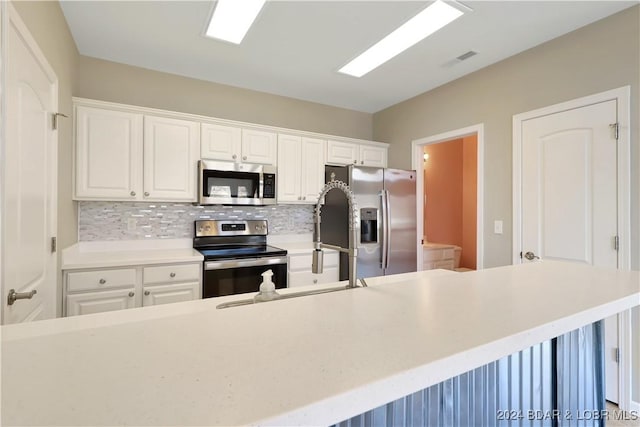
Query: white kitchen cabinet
x=371, y=155
x=300, y=168
x=300, y=274
x=259, y=147
x=342, y=153
x=98, y=302
x=108, y=154
x=234, y=144
x=289, y=168
x=96, y=290
x=171, y=153
x=220, y=142
x=123, y=155
x=169, y=293
x=313, y=153
x=348, y=153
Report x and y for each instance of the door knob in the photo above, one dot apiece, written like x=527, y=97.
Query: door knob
x=531, y=256
x=14, y=296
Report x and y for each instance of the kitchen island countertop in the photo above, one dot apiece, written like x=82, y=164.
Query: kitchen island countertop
x=309, y=360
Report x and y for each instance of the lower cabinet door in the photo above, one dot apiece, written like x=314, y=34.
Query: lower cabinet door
x=98, y=302
x=166, y=294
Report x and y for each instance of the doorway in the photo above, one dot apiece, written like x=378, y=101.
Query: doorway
x=452, y=194
x=571, y=199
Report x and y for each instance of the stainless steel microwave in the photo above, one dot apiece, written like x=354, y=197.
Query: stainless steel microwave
x=226, y=183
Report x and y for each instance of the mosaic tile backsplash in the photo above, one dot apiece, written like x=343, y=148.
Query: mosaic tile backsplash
x=134, y=221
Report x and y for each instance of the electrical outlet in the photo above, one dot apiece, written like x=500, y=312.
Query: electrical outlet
x=131, y=224
x=497, y=227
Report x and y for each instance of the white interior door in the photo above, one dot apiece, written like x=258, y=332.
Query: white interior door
x=29, y=180
x=569, y=197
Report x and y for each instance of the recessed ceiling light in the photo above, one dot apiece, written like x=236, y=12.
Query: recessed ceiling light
x=231, y=19
x=425, y=23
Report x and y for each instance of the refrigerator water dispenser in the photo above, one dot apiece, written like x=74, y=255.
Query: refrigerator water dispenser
x=369, y=225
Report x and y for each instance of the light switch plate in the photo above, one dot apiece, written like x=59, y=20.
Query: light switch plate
x=497, y=227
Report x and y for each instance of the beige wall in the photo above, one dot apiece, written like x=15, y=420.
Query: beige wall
x=596, y=58
x=48, y=27
x=112, y=81
x=593, y=59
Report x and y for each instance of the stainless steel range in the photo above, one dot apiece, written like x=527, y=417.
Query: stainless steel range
x=235, y=255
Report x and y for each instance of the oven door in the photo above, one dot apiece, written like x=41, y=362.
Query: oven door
x=239, y=276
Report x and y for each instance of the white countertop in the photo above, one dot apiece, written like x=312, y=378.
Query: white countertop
x=128, y=253
x=309, y=360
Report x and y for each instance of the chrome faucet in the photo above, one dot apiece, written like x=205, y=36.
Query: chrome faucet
x=352, y=251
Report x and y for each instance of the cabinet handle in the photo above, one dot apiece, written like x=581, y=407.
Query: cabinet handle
x=147, y=292
x=244, y=157
x=362, y=162
x=172, y=275
x=133, y=193
x=304, y=197
x=355, y=162
x=131, y=294
x=315, y=281
x=234, y=157
x=146, y=194
x=102, y=281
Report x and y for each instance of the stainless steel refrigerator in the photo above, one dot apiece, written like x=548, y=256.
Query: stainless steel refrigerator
x=386, y=203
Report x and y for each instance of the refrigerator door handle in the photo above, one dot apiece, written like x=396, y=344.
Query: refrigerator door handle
x=383, y=244
x=387, y=226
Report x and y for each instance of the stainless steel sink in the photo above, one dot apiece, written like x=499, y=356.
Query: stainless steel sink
x=283, y=296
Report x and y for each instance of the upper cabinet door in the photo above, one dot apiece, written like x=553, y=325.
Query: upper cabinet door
x=259, y=147
x=342, y=153
x=108, y=155
x=221, y=142
x=371, y=155
x=171, y=153
x=313, y=151
x=289, y=168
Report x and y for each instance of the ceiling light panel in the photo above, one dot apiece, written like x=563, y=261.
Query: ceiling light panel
x=232, y=19
x=425, y=23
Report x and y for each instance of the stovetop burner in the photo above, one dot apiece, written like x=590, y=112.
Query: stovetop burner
x=233, y=239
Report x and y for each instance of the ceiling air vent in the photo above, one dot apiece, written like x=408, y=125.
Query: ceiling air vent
x=466, y=55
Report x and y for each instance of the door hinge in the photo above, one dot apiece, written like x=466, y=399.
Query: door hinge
x=54, y=119
x=616, y=243
x=616, y=130
x=520, y=254
x=617, y=355
x=422, y=241
x=54, y=244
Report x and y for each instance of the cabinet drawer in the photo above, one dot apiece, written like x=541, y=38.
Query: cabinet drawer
x=171, y=273
x=103, y=279
x=306, y=278
x=302, y=262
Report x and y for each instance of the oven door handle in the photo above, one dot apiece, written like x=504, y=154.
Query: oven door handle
x=239, y=263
